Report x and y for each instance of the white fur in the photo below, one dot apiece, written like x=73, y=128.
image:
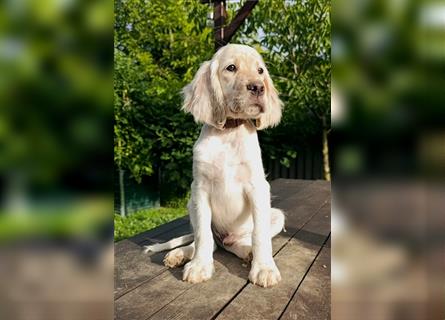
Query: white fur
x=157, y=247
x=229, y=190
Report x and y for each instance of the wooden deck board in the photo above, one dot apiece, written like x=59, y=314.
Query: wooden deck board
x=293, y=261
x=160, y=233
x=154, y=292
x=132, y=267
x=312, y=301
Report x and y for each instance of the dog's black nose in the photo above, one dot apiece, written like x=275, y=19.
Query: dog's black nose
x=255, y=88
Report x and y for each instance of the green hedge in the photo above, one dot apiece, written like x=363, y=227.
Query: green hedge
x=144, y=220
x=159, y=45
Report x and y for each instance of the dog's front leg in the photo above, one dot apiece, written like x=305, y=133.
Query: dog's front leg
x=264, y=271
x=200, y=268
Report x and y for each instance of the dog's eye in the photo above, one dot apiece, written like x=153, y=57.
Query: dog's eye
x=231, y=68
x=260, y=70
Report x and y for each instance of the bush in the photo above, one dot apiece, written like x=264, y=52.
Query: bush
x=126, y=227
x=158, y=48
x=159, y=45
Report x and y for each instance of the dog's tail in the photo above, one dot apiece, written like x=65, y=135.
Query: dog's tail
x=173, y=243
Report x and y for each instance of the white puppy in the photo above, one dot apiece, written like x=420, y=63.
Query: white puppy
x=234, y=97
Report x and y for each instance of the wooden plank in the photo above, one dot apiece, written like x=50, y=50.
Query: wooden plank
x=317, y=165
x=137, y=306
x=294, y=260
x=328, y=244
x=295, y=196
x=181, y=230
x=153, y=233
x=219, y=19
x=241, y=15
x=230, y=276
x=143, y=301
x=151, y=299
x=312, y=301
x=284, y=171
x=268, y=170
x=298, y=211
x=300, y=165
x=282, y=188
x=308, y=164
x=292, y=170
x=223, y=34
x=276, y=169
x=132, y=267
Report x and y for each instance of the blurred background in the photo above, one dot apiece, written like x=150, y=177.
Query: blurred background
x=57, y=172
x=56, y=95
x=388, y=119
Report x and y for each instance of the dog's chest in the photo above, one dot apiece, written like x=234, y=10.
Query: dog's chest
x=231, y=162
x=226, y=166
x=228, y=159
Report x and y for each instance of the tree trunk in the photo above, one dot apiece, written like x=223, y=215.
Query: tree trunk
x=326, y=166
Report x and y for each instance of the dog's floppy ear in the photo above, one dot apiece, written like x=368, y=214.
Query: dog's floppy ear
x=272, y=114
x=203, y=96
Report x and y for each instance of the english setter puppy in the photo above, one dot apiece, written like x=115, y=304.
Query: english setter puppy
x=233, y=95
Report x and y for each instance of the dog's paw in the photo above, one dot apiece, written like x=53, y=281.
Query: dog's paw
x=175, y=258
x=196, y=271
x=264, y=275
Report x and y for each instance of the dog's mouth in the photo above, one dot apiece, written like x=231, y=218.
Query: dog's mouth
x=259, y=106
x=255, y=109
x=252, y=111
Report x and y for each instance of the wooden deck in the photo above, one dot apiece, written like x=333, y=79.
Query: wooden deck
x=145, y=289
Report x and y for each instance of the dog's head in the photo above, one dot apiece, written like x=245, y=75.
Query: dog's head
x=234, y=84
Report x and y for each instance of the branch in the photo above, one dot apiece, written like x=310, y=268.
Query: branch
x=241, y=15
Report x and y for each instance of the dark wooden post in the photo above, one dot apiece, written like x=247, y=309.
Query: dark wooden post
x=219, y=19
x=223, y=34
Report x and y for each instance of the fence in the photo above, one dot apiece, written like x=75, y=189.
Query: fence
x=130, y=196
x=308, y=165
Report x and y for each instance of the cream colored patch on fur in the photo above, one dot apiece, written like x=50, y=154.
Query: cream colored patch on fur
x=174, y=258
x=195, y=272
x=266, y=277
x=243, y=174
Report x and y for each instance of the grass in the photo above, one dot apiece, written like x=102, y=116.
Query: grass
x=81, y=218
x=140, y=221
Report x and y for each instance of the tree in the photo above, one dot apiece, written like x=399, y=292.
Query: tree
x=158, y=47
x=294, y=38
x=55, y=98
